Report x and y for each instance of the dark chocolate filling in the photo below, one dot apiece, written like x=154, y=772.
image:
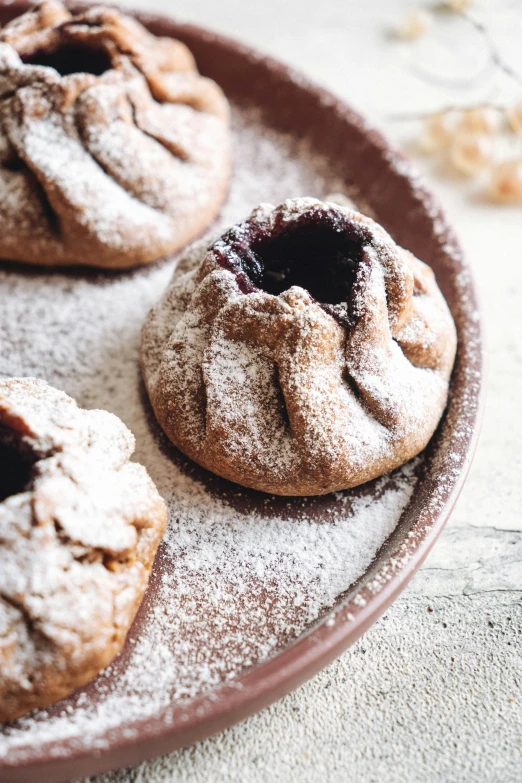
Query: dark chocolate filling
x=322, y=251
x=72, y=58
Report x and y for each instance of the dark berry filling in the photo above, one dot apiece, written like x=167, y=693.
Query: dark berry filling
x=72, y=58
x=15, y=468
x=322, y=251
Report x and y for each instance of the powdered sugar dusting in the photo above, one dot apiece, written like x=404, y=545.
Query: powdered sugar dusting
x=239, y=575
x=236, y=587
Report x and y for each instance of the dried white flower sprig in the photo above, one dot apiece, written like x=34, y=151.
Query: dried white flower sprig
x=473, y=139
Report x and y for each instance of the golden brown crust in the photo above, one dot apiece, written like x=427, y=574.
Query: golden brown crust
x=114, y=151
x=79, y=529
x=285, y=395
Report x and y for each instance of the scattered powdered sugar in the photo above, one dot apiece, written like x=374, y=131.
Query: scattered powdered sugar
x=234, y=587
x=239, y=575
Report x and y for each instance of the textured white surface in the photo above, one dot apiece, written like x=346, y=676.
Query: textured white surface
x=432, y=692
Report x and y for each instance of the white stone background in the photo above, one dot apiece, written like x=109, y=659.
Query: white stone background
x=429, y=696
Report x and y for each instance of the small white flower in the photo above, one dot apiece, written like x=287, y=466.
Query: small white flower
x=414, y=25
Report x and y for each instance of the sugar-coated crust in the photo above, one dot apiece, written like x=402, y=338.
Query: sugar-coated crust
x=275, y=393
x=109, y=170
x=76, y=545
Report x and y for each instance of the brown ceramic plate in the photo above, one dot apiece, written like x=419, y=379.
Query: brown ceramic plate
x=291, y=139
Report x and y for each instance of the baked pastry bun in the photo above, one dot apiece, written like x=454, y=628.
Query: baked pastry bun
x=79, y=528
x=114, y=151
x=301, y=353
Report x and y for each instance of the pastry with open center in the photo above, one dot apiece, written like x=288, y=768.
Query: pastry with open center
x=301, y=353
x=79, y=529
x=114, y=151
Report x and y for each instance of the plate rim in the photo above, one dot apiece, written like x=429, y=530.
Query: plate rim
x=270, y=680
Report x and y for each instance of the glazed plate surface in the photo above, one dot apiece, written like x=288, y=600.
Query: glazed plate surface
x=250, y=594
